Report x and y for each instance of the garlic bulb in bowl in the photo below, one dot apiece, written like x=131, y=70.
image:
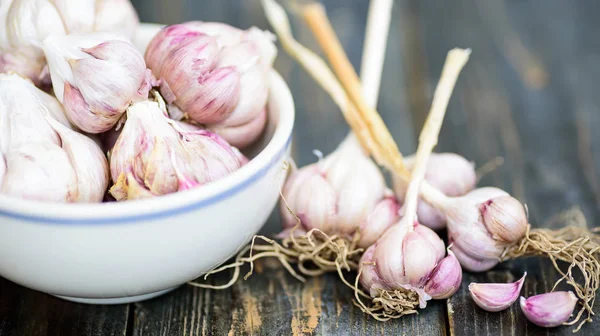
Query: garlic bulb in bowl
x=43, y=157
x=216, y=75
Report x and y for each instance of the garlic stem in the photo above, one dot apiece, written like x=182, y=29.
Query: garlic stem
x=455, y=61
x=373, y=55
x=316, y=18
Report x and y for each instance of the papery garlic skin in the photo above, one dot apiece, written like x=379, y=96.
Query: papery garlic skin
x=156, y=156
x=478, y=239
x=216, y=75
x=407, y=256
x=495, y=297
x=335, y=195
x=549, y=309
x=96, y=77
x=450, y=173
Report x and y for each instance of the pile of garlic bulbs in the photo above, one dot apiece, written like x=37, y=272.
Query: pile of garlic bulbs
x=86, y=115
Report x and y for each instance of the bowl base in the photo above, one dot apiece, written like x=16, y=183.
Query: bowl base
x=117, y=300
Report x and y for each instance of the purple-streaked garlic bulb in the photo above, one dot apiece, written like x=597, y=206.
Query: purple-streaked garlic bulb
x=450, y=173
x=25, y=24
x=481, y=224
x=343, y=193
x=96, y=77
x=154, y=155
x=216, y=75
x=410, y=256
x=43, y=157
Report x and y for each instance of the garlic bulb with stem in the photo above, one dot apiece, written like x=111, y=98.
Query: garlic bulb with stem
x=216, y=75
x=96, y=76
x=154, y=156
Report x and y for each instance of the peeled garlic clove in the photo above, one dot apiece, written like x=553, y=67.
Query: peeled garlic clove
x=39, y=171
x=505, y=218
x=495, y=297
x=445, y=279
x=96, y=76
x=87, y=159
x=117, y=16
x=549, y=309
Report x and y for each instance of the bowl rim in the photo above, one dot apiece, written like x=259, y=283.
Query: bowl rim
x=171, y=204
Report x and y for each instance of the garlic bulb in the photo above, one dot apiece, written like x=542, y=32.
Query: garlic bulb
x=343, y=193
x=481, y=224
x=410, y=256
x=154, y=156
x=44, y=159
x=215, y=74
x=96, y=76
x=25, y=24
x=450, y=173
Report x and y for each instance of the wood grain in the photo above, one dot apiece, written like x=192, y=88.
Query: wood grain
x=27, y=312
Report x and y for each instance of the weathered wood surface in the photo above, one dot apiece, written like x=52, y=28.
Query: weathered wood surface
x=528, y=94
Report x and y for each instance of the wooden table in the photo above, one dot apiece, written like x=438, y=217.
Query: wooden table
x=528, y=94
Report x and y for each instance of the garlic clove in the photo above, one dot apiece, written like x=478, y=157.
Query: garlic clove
x=87, y=159
x=549, y=309
x=495, y=297
x=420, y=258
x=39, y=171
x=436, y=242
x=242, y=136
x=505, y=218
x=445, y=278
x=380, y=219
x=389, y=255
x=369, y=278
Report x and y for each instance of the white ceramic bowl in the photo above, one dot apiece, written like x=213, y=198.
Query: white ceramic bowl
x=135, y=250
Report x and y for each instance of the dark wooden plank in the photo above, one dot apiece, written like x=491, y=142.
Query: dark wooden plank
x=544, y=130
x=271, y=301
x=27, y=312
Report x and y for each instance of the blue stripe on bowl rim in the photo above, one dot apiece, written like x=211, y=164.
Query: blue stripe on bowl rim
x=159, y=214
